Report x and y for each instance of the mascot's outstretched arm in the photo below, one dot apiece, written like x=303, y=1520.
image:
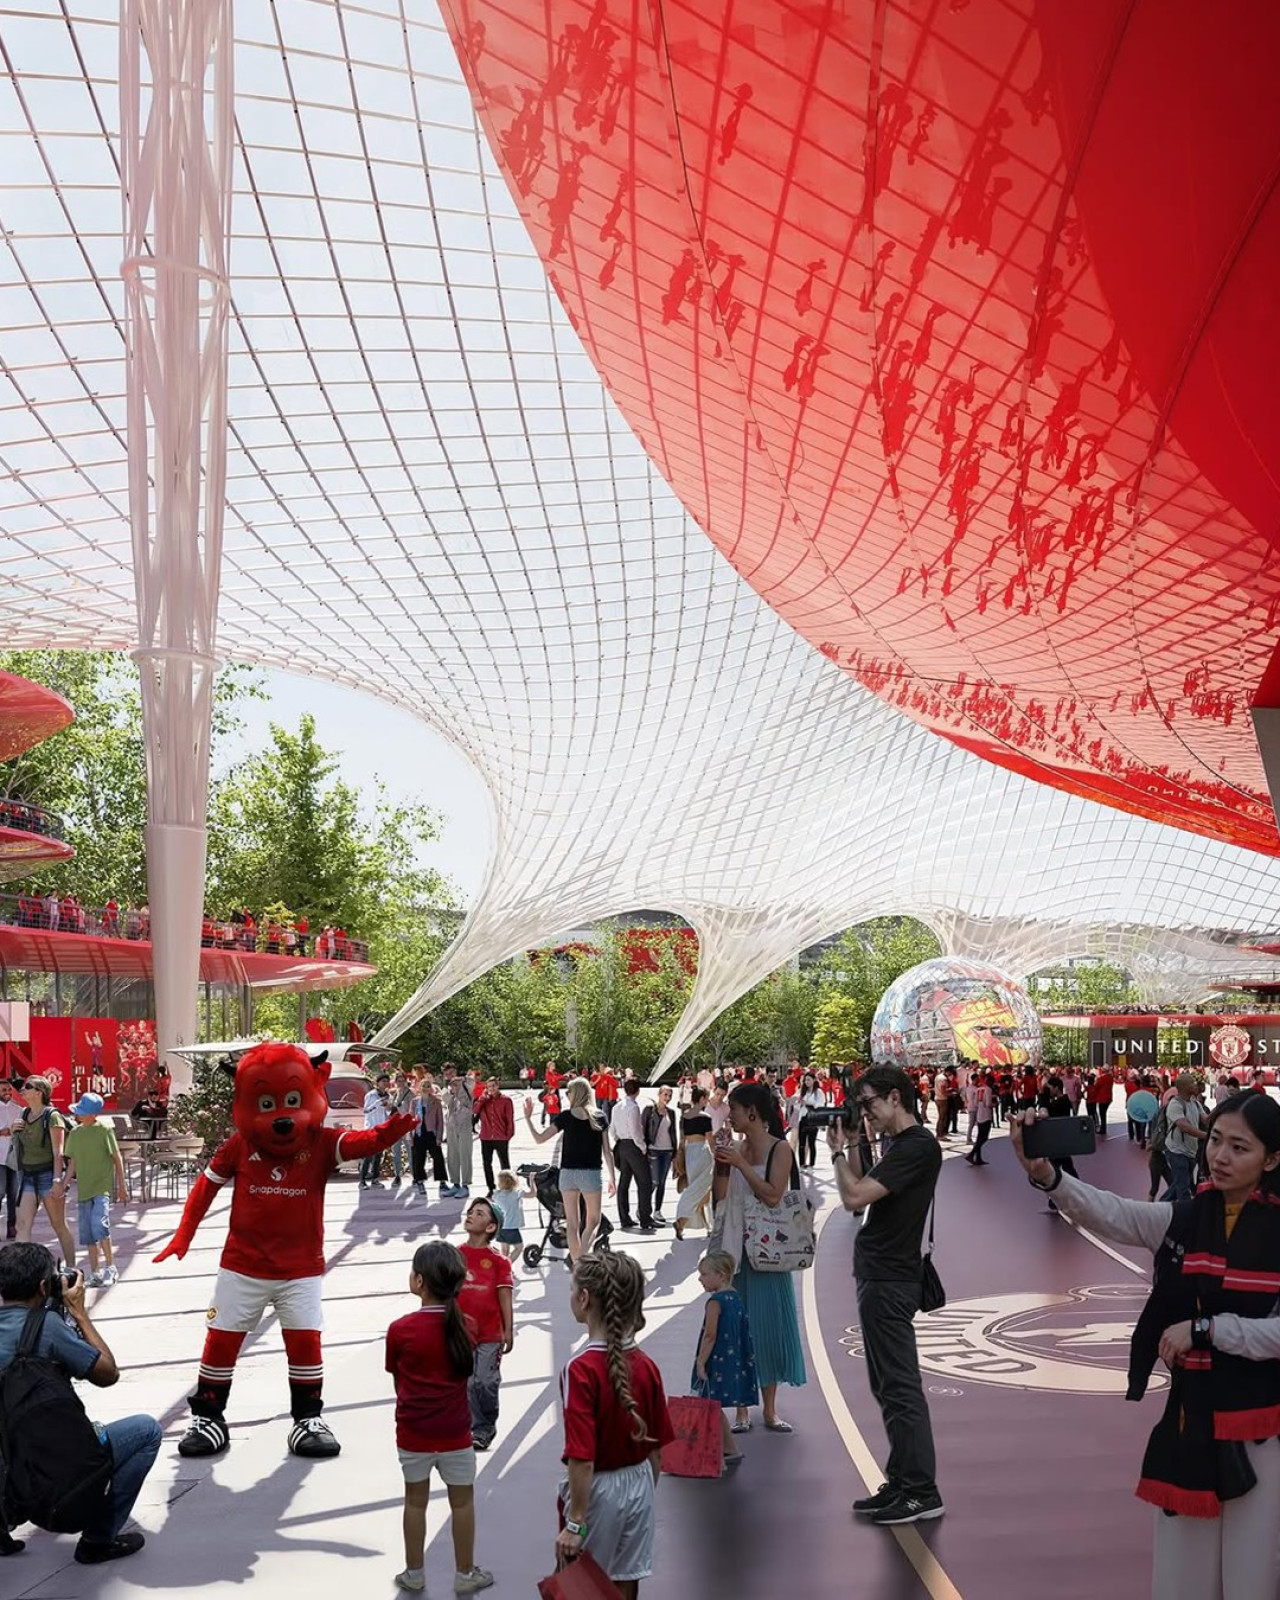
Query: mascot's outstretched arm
x=363, y=1142
x=193, y=1213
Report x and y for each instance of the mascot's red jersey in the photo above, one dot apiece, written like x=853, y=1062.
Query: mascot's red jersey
x=277, y=1206
x=280, y=1158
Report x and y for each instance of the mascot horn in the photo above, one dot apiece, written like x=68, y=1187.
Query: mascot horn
x=279, y=1158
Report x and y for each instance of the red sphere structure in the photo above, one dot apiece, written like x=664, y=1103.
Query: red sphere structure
x=953, y=325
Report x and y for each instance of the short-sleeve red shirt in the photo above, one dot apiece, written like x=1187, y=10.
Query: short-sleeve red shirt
x=277, y=1207
x=596, y=1426
x=432, y=1410
x=487, y=1272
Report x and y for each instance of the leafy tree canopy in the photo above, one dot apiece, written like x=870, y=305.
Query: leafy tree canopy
x=94, y=772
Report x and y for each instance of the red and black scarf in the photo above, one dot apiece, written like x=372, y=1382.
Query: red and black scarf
x=1195, y=1457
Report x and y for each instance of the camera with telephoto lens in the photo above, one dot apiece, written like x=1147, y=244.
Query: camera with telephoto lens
x=824, y=1116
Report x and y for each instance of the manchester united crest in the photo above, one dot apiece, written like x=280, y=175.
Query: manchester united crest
x=1230, y=1046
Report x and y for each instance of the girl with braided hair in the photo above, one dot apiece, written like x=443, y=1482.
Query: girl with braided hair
x=615, y=1425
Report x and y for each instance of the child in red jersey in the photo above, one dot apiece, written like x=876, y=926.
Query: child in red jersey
x=615, y=1425
x=485, y=1302
x=430, y=1356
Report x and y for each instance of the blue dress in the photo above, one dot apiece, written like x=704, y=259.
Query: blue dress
x=731, y=1366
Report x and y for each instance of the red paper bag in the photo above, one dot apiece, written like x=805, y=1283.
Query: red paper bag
x=697, y=1451
x=582, y=1579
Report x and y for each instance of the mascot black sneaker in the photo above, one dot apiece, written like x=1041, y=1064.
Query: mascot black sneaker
x=311, y=1437
x=207, y=1436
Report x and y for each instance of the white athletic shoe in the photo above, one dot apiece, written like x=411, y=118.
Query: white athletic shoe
x=470, y=1582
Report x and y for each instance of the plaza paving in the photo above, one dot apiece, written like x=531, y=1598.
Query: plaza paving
x=1037, y=1451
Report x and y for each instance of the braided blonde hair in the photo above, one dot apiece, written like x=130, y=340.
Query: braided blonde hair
x=615, y=1284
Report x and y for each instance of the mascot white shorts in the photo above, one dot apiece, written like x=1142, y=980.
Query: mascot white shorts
x=239, y=1302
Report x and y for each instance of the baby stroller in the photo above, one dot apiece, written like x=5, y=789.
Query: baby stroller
x=546, y=1186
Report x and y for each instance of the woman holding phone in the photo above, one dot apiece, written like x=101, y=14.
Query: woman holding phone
x=1212, y=1464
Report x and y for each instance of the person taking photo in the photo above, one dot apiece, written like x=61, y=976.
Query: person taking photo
x=888, y=1269
x=28, y=1277
x=1212, y=1463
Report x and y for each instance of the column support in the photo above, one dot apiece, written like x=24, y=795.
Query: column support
x=176, y=143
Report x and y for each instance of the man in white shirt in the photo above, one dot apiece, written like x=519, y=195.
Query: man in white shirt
x=10, y=1112
x=629, y=1154
x=377, y=1110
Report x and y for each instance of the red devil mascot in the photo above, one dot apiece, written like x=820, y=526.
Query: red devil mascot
x=280, y=1158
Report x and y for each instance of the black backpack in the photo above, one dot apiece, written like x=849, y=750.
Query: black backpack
x=57, y=1471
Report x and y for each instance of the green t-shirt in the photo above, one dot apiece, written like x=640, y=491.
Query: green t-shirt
x=93, y=1149
x=34, y=1137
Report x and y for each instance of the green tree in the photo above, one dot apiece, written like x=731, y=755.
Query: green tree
x=1083, y=986
x=745, y=1032
x=285, y=830
x=839, y=1032
x=621, y=1017
x=867, y=958
x=509, y=1018
x=93, y=773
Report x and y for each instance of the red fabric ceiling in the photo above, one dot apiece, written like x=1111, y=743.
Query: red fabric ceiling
x=954, y=325
x=29, y=713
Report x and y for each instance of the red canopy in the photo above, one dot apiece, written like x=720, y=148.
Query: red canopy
x=954, y=326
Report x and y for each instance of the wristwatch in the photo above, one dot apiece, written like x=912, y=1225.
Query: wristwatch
x=1049, y=1187
x=1202, y=1333
x=577, y=1528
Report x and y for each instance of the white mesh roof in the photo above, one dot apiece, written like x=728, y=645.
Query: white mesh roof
x=431, y=497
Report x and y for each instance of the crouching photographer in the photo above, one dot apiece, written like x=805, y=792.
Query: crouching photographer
x=60, y=1470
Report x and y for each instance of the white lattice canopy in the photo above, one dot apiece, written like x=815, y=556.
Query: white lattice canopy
x=430, y=497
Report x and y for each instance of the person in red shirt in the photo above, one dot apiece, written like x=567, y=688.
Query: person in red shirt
x=550, y=1097
x=1098, y=1097
x=615, y=1425
x=497, y=1128
x=604, y=1084
x=486, y=1304
x=430, y=1357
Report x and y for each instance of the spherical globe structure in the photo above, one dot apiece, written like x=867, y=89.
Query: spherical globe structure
x=952, y=1011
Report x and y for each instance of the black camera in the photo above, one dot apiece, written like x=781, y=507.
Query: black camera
x=824, y=1116
x=63, y=1279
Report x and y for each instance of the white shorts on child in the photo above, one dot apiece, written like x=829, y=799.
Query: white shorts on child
x=457, y=1468
x=620, y=1521
x=239, y=1302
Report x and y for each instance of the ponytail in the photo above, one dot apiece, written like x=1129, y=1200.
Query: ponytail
x=615, y=1284
x=758, y=1097
x=443, y=1272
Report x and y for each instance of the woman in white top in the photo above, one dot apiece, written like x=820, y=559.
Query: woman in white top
x=984, y=1094
x=811, y=1099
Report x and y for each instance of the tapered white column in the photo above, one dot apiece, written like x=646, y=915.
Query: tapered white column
x=176, y=142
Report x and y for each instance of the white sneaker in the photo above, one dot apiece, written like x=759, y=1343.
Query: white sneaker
x=470, y=1582
x=93, y=1281
x=417, y=1581
x=109, y=1276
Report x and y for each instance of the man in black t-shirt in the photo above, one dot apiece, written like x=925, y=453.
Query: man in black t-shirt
x=899, y=1190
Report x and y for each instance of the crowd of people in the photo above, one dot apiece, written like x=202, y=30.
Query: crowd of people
x=31, y=819
x=269, y=935
x=735, y=1147
x=279, y=936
